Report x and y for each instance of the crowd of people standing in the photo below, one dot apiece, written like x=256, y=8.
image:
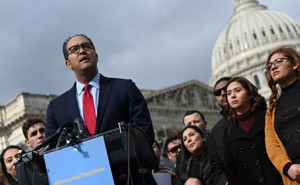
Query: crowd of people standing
x=254, y=143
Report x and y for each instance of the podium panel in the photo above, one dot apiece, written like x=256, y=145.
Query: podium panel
x=83, y=163
x=162, y=178
x=133, y=146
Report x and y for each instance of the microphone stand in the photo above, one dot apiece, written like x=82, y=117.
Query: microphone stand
x=20, y=162
x=63, y=133
x=129, y=177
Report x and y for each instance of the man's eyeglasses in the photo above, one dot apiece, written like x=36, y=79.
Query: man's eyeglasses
x=76, y=48
x=218, y=92
x=277, y=62
x=175, y=149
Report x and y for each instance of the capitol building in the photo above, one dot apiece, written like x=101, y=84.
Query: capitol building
x=244, y=45
x=240, y=50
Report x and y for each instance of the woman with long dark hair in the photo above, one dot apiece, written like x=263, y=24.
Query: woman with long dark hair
x=283, y=115
x=246, y=159
x=8, y=157
x=194, y=165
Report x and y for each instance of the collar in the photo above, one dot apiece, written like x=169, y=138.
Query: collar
x=286, y=89
x=94, y=82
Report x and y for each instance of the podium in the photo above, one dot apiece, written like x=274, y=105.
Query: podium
x=105, y=157
x=83, y=163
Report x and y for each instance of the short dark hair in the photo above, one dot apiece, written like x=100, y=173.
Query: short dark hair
x=29, y=123
x=226, y=78
x=193, y=112
x=170, y=140
x=65, y=51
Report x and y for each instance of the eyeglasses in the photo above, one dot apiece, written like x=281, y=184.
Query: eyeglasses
x=175, y=149
x=218, y=92
x=277, y=62
x=76, y=48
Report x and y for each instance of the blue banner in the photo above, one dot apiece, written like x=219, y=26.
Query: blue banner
x=84, y=163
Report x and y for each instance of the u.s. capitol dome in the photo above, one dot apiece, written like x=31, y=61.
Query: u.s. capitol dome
x=243, y=46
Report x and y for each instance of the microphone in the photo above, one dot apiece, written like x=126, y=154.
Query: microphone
x=53, y=137
x=24, y=157
x=80, y=131
x=78, y=122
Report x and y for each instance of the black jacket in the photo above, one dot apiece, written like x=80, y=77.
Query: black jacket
x=216, y=151
x=197, y=166
x=246, y=159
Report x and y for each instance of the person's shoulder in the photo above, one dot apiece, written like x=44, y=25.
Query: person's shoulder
x=260, y=113
x=63, y=96
x=220, y=125
x=114, y=79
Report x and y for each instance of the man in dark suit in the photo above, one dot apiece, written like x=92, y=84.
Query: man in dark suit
x=115, y=100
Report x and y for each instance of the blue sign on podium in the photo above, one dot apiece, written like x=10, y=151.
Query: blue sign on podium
x=83, y=163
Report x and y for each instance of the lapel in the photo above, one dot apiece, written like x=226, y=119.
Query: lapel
x=235, y=132
x=104, y=95
x=71, y=101
x=259, y=124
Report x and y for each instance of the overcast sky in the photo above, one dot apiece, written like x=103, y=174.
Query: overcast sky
x=157, y=43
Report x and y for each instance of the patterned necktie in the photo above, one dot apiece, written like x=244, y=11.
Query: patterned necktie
x=89, y=110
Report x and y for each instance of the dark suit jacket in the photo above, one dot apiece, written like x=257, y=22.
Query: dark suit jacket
x=119, y=100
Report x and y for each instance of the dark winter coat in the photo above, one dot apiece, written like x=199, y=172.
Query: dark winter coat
x=246, y=160
x=216, y=151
